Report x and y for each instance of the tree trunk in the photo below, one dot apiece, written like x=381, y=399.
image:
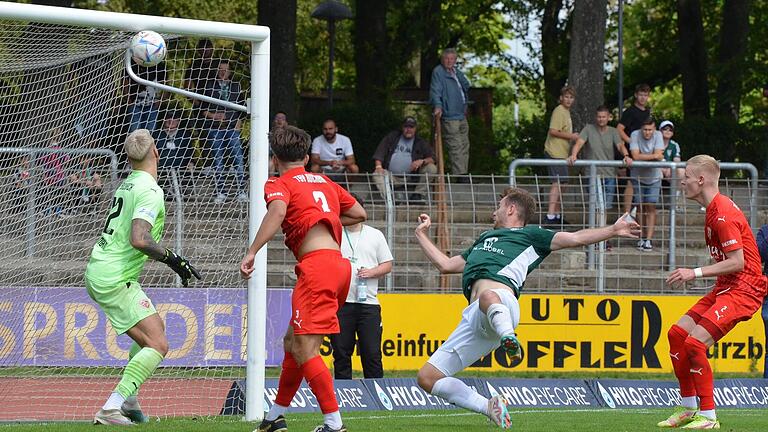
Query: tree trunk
x=370, y=37
x=280, y=17
x=733, y=46
x=430, y=51
x=553, y=54
x=693, y=59
x=585, y=68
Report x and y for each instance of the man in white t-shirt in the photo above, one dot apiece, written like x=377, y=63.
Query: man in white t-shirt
x=360, y=317
x=332, y=152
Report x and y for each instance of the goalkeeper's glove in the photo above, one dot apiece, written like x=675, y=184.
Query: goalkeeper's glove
x=181, y=266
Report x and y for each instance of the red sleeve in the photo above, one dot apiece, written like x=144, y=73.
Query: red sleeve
x=346, y=200
x=276, y=190
x=729, y=234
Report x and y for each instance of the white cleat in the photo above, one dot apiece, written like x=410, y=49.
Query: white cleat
x=498, y=413
x=112, y=417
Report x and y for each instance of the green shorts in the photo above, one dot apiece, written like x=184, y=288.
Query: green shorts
x=124, y=305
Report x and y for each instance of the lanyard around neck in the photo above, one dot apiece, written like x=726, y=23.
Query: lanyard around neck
x=349, y=242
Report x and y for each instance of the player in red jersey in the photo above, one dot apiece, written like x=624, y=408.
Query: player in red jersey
x=311, y=210
x=737, y=295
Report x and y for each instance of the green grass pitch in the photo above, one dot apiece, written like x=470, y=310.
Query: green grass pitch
x=531, y=420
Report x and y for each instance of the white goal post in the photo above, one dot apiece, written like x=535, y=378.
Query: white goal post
x=258, y=113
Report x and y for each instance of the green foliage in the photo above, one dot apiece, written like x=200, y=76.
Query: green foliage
x=723, y=139
x=483, y=152
x=312, y=50
x=234, y=11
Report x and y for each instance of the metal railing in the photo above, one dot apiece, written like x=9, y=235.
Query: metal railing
x=673, y=181
x=36, y=176
x=213, y=234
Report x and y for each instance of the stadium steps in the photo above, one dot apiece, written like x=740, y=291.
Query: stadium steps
x=221, y=232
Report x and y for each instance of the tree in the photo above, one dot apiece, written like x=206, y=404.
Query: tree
x=370, y=37
x=554, y=52
x=430, y=49
x=585, y=68
x=693, y=59
x=731, y=58
x=280, y=17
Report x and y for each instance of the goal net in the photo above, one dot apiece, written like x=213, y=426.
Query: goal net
x=66, y=106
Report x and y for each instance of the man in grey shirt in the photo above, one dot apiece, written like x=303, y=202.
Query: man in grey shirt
x=403, y=154
x=646, y=144
x=601, y=141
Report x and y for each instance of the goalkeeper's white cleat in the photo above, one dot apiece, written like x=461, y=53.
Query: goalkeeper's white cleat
x=132, y=410
x=112, y=417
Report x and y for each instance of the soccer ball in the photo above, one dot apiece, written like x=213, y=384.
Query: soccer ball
x=147, y=48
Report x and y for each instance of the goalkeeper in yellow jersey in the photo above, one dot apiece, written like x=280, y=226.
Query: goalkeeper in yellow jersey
x=131, y=231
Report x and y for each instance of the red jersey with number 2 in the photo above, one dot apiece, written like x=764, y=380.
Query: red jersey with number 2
x=725, y=230
x=311, y=199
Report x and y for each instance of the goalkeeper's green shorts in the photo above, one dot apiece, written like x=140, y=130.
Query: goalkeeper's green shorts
x=124, y=305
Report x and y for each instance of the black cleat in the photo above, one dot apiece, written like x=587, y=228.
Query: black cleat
x=326, y=428
x=276, y=425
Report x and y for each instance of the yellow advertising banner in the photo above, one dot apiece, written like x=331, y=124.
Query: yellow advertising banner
x=563, y=333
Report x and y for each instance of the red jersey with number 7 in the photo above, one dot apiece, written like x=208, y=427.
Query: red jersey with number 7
x=311, y=199
x=725, y=230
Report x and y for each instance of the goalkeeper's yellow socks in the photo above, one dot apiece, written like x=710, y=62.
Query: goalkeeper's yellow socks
x=139, y=368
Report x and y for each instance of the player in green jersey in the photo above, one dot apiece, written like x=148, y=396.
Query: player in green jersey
x=494, y=270
x=130, y=235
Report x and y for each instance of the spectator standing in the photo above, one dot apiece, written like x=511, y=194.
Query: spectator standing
x=601, y=140
x=332, y=152
x=631, y=120
x=646, y=145
x=671, y=154
x=360, y=317
x=762, y=247
x=449, y=95
x=224, y=131
x=402, y=153
x=176, y=151
x=557, y=146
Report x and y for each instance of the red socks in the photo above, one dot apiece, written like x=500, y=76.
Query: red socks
x=678, y=353
x=701, y=373
x=290, y=380
x=319, y=379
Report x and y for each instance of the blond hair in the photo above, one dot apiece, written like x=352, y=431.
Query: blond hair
x=705, y=164
x=137, y=144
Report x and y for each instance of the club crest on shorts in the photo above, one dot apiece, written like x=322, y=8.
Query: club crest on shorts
x=145, y=303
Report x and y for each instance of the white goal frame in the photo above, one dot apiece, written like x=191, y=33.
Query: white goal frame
x=258, y=110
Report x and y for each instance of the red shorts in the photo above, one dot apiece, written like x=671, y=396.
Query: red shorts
x=722, y=308
x=321, y=288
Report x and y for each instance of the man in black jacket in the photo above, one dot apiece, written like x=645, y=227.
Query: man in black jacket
x=406, y=158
